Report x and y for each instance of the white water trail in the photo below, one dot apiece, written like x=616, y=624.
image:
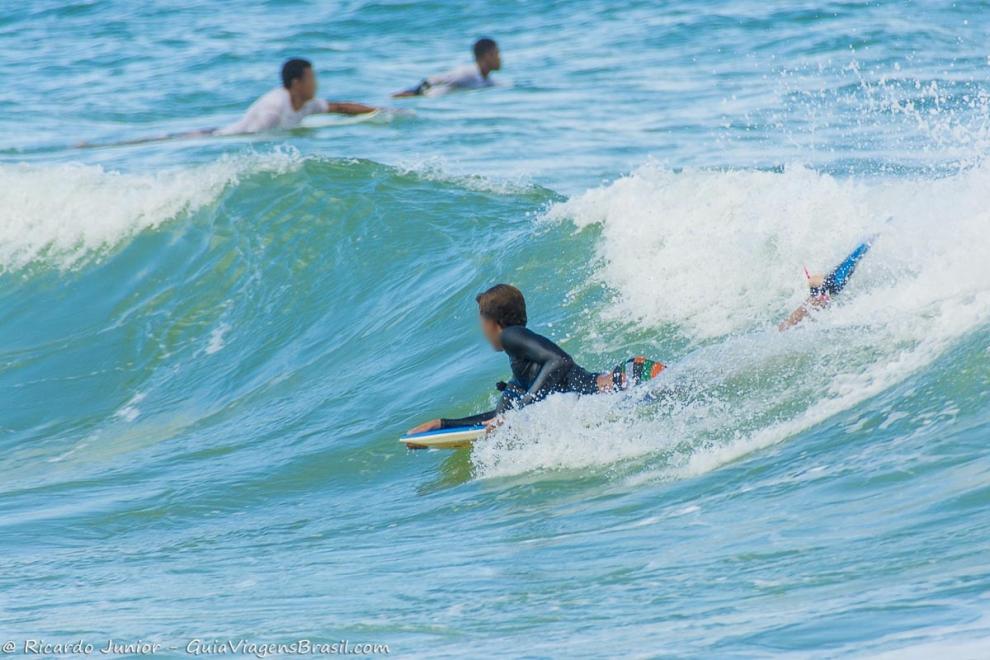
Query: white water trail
x=718, y=256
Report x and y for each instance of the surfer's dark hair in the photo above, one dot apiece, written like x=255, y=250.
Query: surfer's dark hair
x=294, y=69
x=484, y=46
x=504, y=304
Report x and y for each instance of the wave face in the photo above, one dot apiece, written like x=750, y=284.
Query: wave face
x=209, y=348
x=235, y=348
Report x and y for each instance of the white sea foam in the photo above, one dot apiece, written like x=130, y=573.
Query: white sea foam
x=63, y=214
x=718, y=256
x=130, y=411
x=216, y=341
x=437, y=168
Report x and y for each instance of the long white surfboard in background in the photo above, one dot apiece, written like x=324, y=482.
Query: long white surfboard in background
x=325, y=120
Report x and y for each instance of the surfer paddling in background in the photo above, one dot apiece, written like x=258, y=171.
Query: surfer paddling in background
x=539, y=366
x=487, y=58
x=286, y=106
x=281, y=108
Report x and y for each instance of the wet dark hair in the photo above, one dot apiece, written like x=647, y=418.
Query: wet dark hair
x=294, y=69
x=504, y=304
x=483, y=46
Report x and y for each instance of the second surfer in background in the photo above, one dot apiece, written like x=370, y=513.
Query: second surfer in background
x=487, y=58
x=286, y=106
x=823, y=287
x=281, y=108
x=539, y=366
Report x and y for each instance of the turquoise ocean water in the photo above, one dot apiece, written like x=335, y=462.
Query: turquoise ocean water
x=208, y=347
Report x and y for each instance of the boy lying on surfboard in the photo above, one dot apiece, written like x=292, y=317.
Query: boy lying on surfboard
x=539, y=366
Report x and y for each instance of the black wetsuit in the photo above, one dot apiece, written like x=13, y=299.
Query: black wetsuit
x=539, y=368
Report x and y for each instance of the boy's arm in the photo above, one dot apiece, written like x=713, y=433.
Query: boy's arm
x=799, y=314
x=443, y=423
x=348, y=108
x=471, y=420
x=524, y=343
x=418, y=90
x=489, y=418
x=795, y=317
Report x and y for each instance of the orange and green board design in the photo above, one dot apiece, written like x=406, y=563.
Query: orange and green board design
x=644, y=369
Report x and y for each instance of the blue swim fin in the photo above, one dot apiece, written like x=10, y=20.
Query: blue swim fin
x=836, y=280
